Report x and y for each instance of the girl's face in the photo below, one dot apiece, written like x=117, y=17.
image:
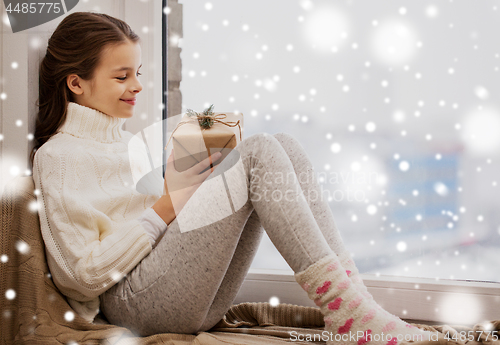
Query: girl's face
x=116, y=79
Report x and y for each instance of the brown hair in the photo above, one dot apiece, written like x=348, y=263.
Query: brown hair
x=75, y=47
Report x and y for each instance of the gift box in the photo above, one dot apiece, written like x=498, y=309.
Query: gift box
x=202, y=134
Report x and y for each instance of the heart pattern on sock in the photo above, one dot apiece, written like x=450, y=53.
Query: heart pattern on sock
x=324, y=288
x=389, y=327
x=346, y=327
x=368, y=316
x=335, y=305
x=343, y=285
x=355, y=302
x=328, y=321
x=364, y=338
x=393, y=341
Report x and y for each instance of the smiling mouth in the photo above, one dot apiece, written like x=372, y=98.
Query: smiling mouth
x=131, y=102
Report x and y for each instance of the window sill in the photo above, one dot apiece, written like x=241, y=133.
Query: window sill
x=424, y=299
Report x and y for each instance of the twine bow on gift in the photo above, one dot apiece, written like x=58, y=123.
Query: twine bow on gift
x=206, y=120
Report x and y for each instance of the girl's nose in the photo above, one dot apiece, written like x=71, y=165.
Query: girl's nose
x=137, y=87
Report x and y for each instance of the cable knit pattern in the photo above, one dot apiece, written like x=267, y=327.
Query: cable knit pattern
x=88, y=207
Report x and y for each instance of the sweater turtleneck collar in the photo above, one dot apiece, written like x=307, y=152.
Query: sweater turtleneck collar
x=88, y=123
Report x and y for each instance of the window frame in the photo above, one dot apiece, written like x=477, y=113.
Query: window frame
x=393, y=293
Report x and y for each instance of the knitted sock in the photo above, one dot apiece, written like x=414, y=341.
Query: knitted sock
x=353, y=273
x=349, y=317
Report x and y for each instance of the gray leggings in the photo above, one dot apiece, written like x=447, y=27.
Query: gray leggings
x=190, y=279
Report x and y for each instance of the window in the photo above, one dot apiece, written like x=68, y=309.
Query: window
x=393, y=103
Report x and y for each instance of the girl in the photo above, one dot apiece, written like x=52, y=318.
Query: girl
x=114, y=250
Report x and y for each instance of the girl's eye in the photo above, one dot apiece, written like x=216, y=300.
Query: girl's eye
x=123, y=78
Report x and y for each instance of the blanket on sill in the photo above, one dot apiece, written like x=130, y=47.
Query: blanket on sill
x=33, y=311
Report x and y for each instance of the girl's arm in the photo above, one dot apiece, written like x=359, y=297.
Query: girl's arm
x=165, y=209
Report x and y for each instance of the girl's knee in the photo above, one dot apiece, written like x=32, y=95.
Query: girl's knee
x=286, y=139
x=260, y=137
x=283, y=136
x=261, y=141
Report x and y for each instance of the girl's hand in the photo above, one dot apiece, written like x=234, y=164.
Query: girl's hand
x=180, y=186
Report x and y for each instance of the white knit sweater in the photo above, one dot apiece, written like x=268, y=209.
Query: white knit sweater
x=91, y=216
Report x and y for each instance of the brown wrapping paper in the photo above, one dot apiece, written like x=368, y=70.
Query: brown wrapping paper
x=192, y=144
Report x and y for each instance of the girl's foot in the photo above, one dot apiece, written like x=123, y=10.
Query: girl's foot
x=350, y=317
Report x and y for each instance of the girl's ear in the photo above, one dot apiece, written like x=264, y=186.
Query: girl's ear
x=74, y=84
